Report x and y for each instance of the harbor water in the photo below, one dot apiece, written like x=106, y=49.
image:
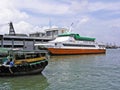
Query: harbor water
x=72, y=72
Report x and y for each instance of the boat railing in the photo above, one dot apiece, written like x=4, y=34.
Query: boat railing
x=24, y=55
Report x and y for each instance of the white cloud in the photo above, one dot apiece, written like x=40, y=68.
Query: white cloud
x=9, y=13
x=78, y=6
x=104, y=6
x=22, y=27
x=84, y=20
x=4, y=29
x=27, y=28
x=27, y=14
x=41, y=6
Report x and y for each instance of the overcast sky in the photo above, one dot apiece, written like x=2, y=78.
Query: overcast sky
x=93, y=18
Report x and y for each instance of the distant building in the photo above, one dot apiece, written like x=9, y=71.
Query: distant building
x=54, y=32
x=23, y=42
x=49, y=33
x=14, y=40
x=37, y=34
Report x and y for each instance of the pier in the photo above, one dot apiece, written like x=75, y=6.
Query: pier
x=26, y=42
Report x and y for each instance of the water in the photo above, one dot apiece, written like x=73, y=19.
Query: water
x=73, y=72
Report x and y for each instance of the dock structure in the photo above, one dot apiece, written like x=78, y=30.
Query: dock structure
x=23, y=41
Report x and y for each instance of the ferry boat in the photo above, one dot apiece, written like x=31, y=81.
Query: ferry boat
x=25, y=63
x=72, y=44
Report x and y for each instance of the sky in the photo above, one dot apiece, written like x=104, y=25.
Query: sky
x=92, y=18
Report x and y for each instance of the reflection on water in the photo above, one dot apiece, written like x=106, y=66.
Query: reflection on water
x=32, y=82
x=72, y=72
x=73, y=57
x=84, y=72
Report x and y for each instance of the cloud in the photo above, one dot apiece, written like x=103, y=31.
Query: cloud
x=78, y=6
x=42, y=7
x=21, y=27
x=91, y=18
x=26, y=27
x=9, y=13
x=84, y=20
x=109, y=6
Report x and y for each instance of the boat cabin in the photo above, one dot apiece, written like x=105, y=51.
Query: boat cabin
x=20, y=56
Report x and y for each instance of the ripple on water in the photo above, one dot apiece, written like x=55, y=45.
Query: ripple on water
x=73, y=72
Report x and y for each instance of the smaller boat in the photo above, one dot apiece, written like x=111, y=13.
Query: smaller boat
x=25, y=62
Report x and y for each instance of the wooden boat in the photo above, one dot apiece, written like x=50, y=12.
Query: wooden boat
x=25, y=63
x=72, y=44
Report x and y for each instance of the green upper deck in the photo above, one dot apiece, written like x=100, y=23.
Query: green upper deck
x=77, y=37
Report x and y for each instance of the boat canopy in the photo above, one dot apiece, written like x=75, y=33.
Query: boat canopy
x=77, y=37
x=4, y=50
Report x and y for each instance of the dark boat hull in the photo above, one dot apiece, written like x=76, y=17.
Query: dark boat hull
x=28, y=69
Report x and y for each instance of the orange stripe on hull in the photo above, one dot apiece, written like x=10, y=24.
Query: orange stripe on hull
x=60, y=51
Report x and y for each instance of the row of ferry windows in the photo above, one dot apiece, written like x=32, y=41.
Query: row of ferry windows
x=29, y=56
x=17, y=39
x=77, y=45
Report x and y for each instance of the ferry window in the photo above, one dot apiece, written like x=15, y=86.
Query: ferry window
x=28, y=39
x=18, y=39
x=48, y=33
x=19, y=56
x=32, y=55
x=28, y=56
x=7, y=39
x=55, y=44
x=77, y=45
x=7, y=46
x=42, y=54
x=36, y=55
